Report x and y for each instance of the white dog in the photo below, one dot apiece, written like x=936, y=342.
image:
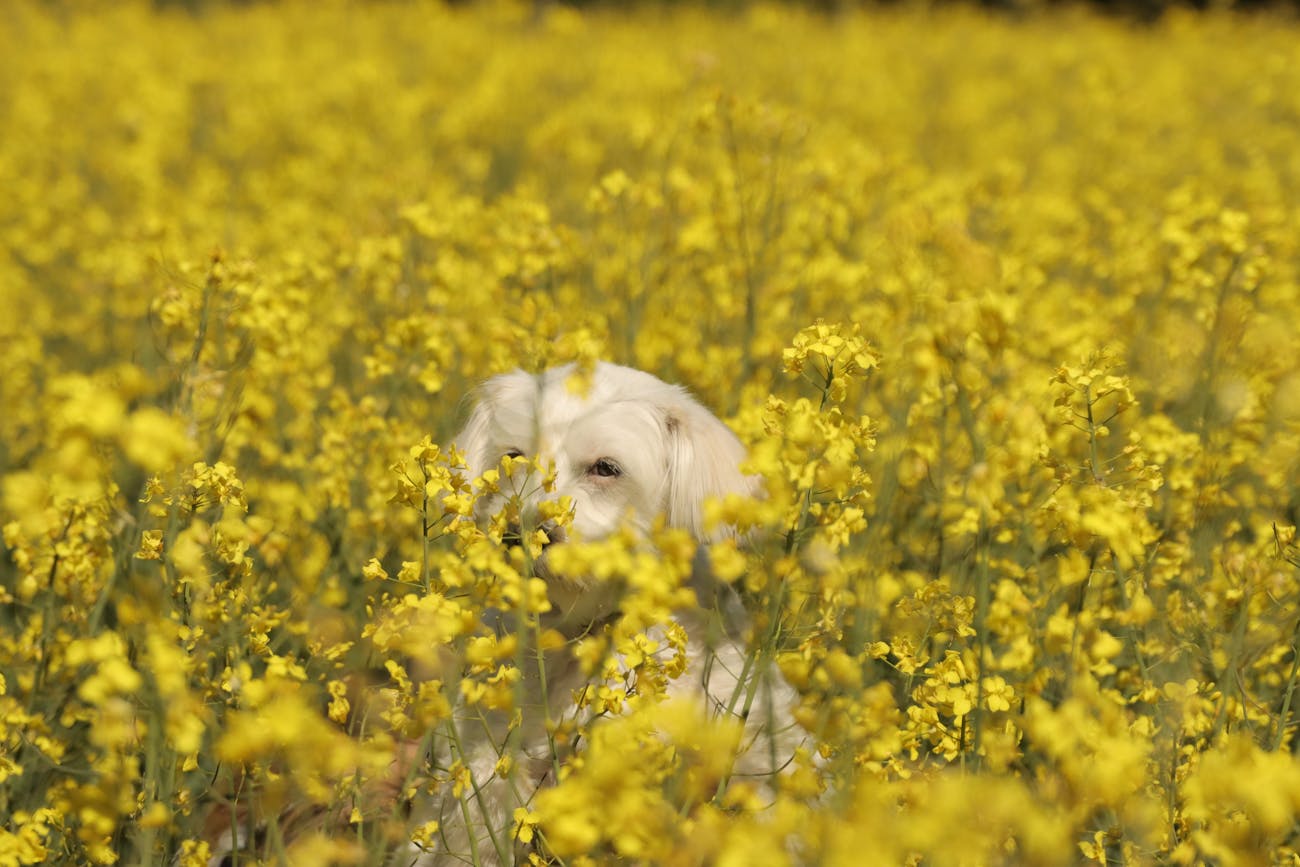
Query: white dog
x=628, y=451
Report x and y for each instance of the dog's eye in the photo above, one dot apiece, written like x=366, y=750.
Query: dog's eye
x=605, y=467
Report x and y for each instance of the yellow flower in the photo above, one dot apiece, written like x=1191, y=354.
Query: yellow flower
x=373, y=571
x=151, y=545
x=339, y=706
x=525, y=823
x=155, y=441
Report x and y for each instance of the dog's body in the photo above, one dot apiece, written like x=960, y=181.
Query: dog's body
x=630, y=450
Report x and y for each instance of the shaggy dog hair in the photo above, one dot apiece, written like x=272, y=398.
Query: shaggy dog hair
x=629, y=451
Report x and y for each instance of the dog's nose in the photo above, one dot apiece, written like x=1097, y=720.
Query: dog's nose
x=543, y=514
x=554, y=532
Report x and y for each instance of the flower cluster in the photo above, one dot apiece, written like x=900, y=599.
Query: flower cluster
x=1002, y=309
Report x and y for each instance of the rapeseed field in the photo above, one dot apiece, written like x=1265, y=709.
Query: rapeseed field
x=1005, y=308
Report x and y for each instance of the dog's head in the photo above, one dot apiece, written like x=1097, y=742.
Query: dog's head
x=628, y=450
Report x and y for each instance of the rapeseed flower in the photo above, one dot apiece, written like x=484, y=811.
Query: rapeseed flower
x=1020, y=396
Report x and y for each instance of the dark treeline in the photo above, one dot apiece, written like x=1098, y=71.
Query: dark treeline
x=1141, y=9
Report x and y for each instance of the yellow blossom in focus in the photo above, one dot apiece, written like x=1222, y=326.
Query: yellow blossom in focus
x=1019, y=405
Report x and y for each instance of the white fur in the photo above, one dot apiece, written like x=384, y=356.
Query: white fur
x=671, y=455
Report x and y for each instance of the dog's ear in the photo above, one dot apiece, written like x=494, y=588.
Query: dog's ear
x=704, y=462
x=472, y=441
x=505, y=407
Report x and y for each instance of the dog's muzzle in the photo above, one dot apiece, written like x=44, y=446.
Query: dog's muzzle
x=554, y=533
